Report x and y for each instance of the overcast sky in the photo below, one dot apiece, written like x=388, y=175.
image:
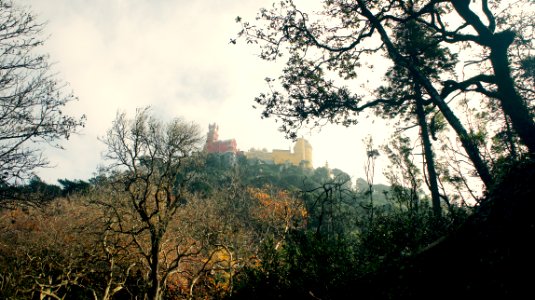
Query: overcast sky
x=175, y=56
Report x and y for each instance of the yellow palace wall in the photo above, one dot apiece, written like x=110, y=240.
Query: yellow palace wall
x=302, y=154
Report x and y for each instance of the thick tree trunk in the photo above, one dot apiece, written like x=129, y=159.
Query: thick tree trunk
x=510, y=139
x=511, y=102
x=429, y=159
x=498, y=43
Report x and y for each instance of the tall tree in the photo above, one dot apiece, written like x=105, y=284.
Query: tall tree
x=424, y=53
x=376, y=22
x=150, y=162
x=31, y=98
x=326, y=50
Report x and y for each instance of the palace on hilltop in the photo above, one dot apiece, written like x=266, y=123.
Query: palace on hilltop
x=301, y=155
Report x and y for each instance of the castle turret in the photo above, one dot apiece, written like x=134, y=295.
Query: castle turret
x=214, y=145
x=303, y=152
x=213, y=133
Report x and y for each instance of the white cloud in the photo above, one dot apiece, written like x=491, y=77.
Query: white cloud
x=174, y=56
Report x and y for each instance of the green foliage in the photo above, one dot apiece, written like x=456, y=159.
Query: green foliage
x=267, y=280
x=422, y=49
x=528, y=67
x=403, y=173
x=323, y=266
x=218, y=170
x=398, y=233
x=70, y=187
x=34, y=192
x=308, y=265
x=332, y=207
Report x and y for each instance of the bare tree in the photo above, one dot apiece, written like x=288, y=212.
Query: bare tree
x=31, y=98
x=151, y=173
x=56, y=251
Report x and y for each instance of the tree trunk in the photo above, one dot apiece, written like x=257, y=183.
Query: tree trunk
x=511, y=102
x=510, y=140
x=428, y=153
x=469, y=146
x=154, y=290
x=498, y=43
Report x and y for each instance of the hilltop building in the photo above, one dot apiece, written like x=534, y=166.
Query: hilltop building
x=214, y=145
x=301, y=155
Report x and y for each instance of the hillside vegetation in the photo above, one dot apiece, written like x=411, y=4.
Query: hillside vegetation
x=163, y=218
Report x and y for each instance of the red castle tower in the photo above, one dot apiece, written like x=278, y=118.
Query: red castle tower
x=214, y=145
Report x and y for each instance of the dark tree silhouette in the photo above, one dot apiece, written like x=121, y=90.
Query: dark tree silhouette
x=31, y=98
x=327, y=50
